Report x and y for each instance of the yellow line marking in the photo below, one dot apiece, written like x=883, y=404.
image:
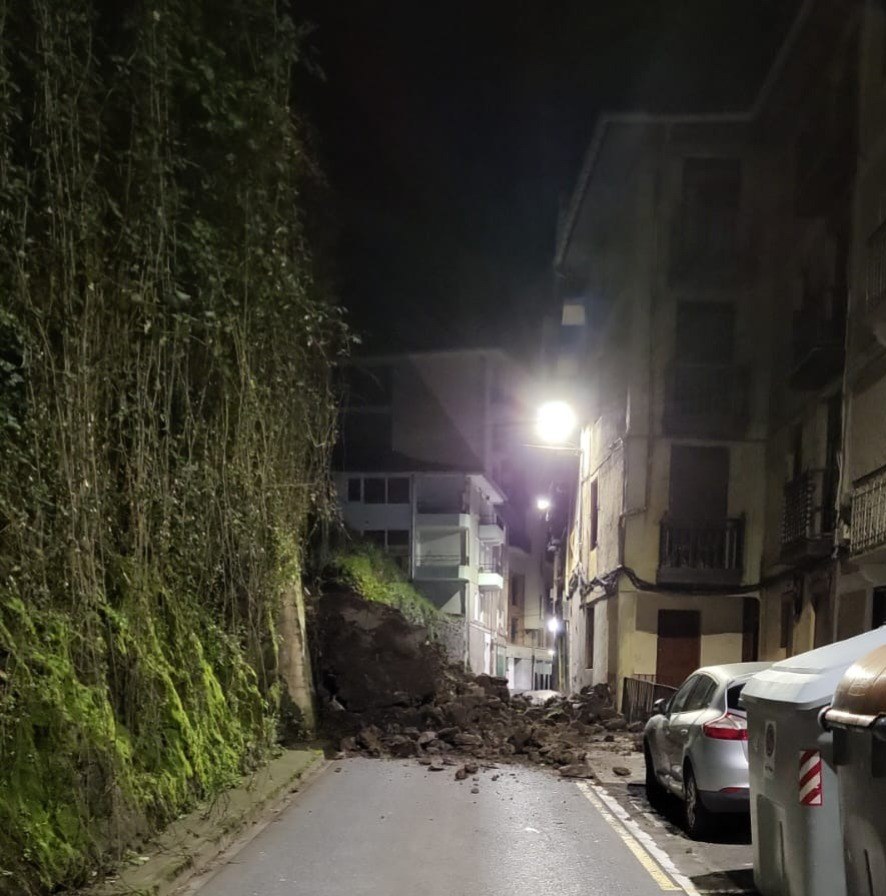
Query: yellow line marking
x=640, y=853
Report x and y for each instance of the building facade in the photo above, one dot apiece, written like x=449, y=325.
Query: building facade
x=430, y=471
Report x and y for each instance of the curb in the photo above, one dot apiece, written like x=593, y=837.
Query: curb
x=191, y=844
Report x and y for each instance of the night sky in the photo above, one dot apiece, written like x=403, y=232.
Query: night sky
x=451, y=133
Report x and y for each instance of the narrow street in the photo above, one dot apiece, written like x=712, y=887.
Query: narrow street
x=370, y=828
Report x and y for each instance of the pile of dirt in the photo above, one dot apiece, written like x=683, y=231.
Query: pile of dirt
x=387, y=690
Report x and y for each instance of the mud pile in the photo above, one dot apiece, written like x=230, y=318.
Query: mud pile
x=386, y=690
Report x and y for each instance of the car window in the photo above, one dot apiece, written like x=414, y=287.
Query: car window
x=678, y=701
x=732, y=697
x=701, y=695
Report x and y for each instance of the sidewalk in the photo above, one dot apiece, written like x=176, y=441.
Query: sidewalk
x=190, y=844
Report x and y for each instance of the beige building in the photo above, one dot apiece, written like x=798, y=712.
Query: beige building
x=861, y=587
x=661, y=255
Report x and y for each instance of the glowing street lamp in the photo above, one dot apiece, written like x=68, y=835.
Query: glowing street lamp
x=542, y=502
x=553, y=625
x=555, y=422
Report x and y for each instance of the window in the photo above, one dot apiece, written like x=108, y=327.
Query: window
x=595, y=513
x=589, y=636
x=702, y=694
x=878, y=610
x=398, y=538
x=375, y=536
x=678, y=701
x=355, y=490
x=374, y=491
x=513, y=630
x=705, y=332
x=518, y=584
x=733, y=696
x=398, y=490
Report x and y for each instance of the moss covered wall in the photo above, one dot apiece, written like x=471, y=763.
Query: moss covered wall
x=165, y=415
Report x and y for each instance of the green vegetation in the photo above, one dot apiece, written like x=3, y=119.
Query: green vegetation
x=376, y=577
x=165, y=412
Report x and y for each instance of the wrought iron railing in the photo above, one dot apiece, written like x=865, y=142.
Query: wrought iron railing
x=491, y=565
x=702, y=545
x=638, y=695
x=875, y=273
x=869, y=512
x=808, y=512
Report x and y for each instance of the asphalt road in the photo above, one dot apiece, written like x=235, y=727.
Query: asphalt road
x=374, y=828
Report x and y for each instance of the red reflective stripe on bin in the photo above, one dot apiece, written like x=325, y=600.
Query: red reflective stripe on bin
x=809, y=779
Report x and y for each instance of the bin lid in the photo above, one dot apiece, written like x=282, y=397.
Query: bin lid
x=809, y=680
x=860, y=698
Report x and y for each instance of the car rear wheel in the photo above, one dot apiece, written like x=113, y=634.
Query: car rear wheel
x=654, y=791
x=697, y=818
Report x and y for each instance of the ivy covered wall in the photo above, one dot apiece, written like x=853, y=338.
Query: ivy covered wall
x=165, y=412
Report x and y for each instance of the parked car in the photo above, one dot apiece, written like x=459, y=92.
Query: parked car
x=696, y=745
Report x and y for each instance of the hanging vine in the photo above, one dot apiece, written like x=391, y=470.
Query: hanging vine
x=165, y=411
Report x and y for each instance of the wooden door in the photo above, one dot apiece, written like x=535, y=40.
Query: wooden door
x=679, y=645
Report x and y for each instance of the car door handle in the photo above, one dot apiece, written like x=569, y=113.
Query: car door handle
x=684, y=731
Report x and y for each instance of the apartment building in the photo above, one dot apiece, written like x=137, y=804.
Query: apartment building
x=861, y=588
x=662, y=251
x=429, y=469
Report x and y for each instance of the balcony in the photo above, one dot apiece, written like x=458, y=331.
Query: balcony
x=875, y=283
x=442, y=567
x=491, y=574
x=818, y=349
x=706, y=400
x=807, y=522
x=442, y=515
x=869, y=515
x=707, y=553
x=711, y=247
x=492, y=529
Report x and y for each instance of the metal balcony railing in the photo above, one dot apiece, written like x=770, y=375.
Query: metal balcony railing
x=808, y=512
x=703, y=551
x=638, y=695
x=491, y=565
x=706, y=399
x=875, y=271
x=441, y=560
x=869, y=512
x=441, y=506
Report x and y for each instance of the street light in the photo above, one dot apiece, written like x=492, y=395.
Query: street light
x=555, y=422
x=553, y=625
x=542, y=502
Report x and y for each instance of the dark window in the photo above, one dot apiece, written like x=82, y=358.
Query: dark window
x=595, y=513
x=878, y=614
x=355, y=492
x=375, y=536
x=679, y=700
x=398, y=538
x=589, y=636
x=513, y=630
x=732, y=697
x=699, y=483
x=705, y=332
x=374, y=491
x=750, y=628
x=370, y=386
x=702, y=694
x=518, y=583
x=398, y=490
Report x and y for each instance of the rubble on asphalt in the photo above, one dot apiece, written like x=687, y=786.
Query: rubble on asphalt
x=387, y=690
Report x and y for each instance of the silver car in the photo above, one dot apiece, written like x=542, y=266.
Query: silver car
x=696, y=745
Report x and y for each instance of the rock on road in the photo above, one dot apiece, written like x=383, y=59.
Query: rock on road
x=385, y=828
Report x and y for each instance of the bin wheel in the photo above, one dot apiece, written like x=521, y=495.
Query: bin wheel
x=697, y=818
x=654, y=791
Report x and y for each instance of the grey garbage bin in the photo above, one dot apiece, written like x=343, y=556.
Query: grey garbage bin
x=857, y=718
x=795, y=810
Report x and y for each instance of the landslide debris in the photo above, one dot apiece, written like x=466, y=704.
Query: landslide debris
x=387, y=689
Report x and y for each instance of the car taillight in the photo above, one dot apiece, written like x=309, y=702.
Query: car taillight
x=728, y=727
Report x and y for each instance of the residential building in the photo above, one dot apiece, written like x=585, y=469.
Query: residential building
x=861, y=597
x=429, y=451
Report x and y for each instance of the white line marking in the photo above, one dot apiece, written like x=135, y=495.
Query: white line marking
x=657, y=853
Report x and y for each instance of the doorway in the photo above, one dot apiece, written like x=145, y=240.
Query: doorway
x=679, y=646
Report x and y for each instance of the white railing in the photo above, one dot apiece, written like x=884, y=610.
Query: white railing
x=869, y=512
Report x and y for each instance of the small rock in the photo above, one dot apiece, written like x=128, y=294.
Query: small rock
x=621, y=771
x=426, y=737
x=475, y=790
x=577, y=770
x=461, y=773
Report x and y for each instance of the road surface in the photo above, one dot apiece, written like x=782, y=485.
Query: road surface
x=386, y=828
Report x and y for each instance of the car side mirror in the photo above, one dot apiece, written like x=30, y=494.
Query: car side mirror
x=660, y=707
